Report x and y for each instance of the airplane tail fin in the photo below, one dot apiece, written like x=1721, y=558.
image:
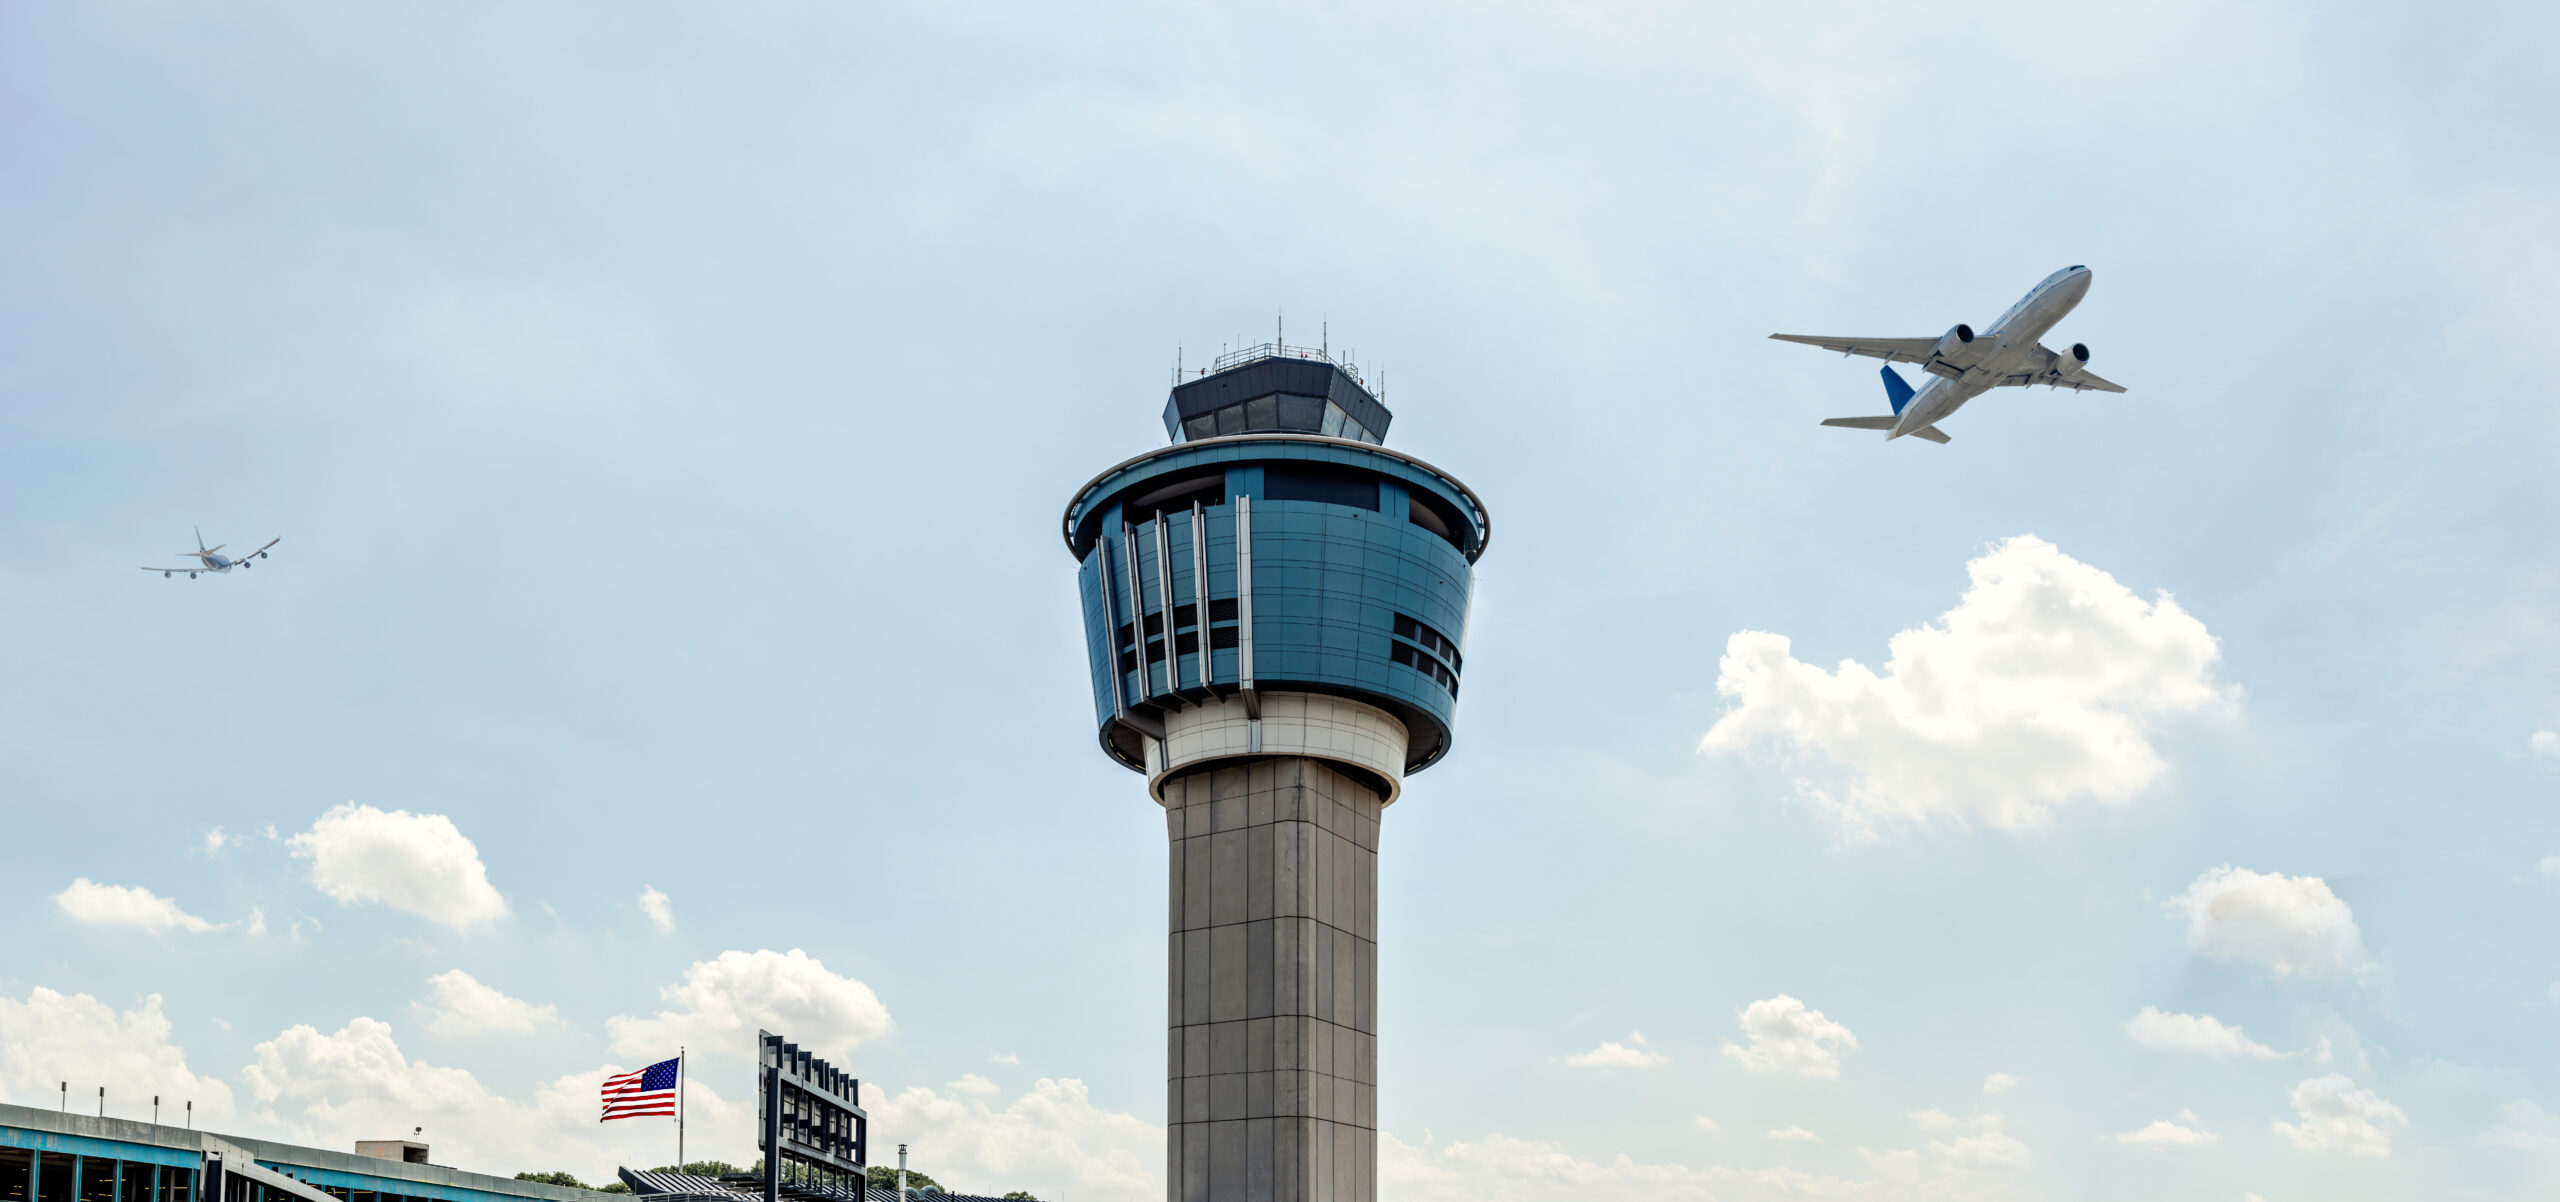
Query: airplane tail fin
x=1896, y=389
x=200, y=529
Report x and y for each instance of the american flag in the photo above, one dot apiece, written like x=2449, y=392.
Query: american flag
x=641, y=1093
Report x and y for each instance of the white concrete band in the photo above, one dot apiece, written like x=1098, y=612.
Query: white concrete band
x=1314, y=725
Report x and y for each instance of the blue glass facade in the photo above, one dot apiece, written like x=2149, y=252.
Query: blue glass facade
x=1352, y=578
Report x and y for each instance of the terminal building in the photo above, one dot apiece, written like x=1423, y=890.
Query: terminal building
x=50, y=1156
x=1274, y=611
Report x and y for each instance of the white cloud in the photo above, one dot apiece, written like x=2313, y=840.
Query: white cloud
x=721, y=1003
x=1004, y=1058
x=2034, y=691
x=464, y=1006
x=2550, y=868
x=972, y=1083
x=1631, y=1054
x=1788, y=1038
x=1503, y=1168
x=2165, y=1133
x=54, y=1037
x=1988, y=1150
x=1052, y=1140
x=654, y=904
x=2545, y=743
x=329, y=1090
x=419, y=863
x=127, y=906
x=2001, y=1083
x=2164, y=1031
x=2289, y=925
x=214, y=841
x=2523, y=1126
x=1708, y=1125
x=1933, y=1120
x=1794, y=1135
x=2338, y=1116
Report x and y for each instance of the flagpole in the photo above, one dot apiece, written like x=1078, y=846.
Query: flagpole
x=679, y=1107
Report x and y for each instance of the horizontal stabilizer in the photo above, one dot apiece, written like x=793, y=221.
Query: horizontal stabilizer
x=1932, y=433
x=1878, y=422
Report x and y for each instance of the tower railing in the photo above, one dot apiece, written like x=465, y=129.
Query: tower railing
x=1277, y=350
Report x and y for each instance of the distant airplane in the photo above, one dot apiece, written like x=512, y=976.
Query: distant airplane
x=2007, y=354
x=210, y=562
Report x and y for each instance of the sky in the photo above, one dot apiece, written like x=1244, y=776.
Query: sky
x=666, y=412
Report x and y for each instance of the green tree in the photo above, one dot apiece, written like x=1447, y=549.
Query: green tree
x=885, y=1176
x=555, y=1177
x=702, y=1168
x=1021, y=1195
x=614, y=1187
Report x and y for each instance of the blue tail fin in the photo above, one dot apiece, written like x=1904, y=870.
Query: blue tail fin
x=1896, y=390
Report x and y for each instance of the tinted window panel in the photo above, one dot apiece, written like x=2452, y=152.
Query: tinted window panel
x=1357, y=490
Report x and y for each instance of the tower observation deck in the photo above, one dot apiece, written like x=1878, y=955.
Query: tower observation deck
x=1274, y=611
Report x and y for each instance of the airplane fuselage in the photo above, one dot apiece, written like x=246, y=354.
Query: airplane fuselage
x=2001, y=348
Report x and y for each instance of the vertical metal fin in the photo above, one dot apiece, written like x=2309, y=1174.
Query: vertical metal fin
x=1244, y=607
x=1137, y=611
x=1200, y=594
x=1110, y=627
x=1164, y=605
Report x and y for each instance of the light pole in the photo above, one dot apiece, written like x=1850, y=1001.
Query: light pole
x=902, y=1173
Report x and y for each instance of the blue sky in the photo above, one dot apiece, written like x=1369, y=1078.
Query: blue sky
x=667, y=411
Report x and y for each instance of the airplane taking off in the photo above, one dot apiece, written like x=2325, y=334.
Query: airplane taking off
x=2004, y=355
x=208, y=561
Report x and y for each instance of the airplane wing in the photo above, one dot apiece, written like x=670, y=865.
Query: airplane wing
x=1922, y=351
x=174, y=571
x=280, y=538
x=2081, y=382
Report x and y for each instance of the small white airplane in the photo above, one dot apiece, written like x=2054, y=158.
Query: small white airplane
x=2005, y=355
x=208, y=561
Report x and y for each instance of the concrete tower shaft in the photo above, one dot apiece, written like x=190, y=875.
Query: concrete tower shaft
x=1274, y=610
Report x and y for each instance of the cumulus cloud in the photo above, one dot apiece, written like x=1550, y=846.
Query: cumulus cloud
x=2165, y=1133
x=2338, y=1116
x=464, y=1006
x=418, y=863
x=2001, y=1083
x=1051, y=1140
x=721, y=1003
x=2288, y=925
x=53, y=1037
x=2523, y=1127
x=327, y=1090
x=2550, y=868
x=1933, y=1120
x=1708, y=1125
x=212, y=842
x=127, y=906
x=2545, y=744
x=1504, y=1168
x=1631, y=1054
x=654, y=904
x=1793, y=1135
x=1788, y=1038
x=2037, y=689
x=2163, y=1031
x=1004, y=1058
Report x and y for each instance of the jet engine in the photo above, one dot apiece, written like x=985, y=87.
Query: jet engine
x=1954, y=340
x=2068, y=361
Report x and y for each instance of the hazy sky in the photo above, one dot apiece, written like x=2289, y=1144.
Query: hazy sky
x=667, y=411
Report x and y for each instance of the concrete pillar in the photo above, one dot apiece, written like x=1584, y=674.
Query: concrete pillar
x=1273, y=1005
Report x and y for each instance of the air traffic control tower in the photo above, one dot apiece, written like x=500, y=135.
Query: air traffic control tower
x=1273, y=611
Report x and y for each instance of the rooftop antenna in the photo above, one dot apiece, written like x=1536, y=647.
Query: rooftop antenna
x=1324, y=339
x=1279, y=332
